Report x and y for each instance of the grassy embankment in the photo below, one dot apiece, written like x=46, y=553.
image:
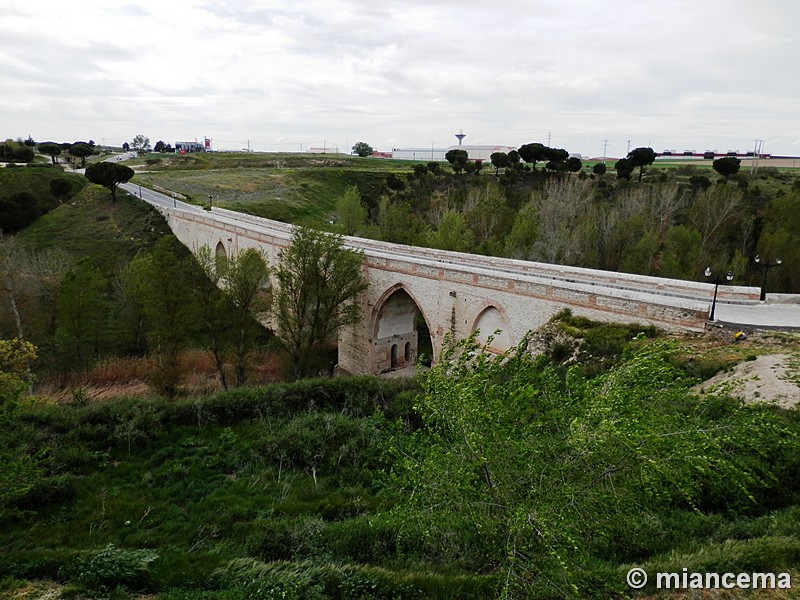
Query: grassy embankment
x=284, y=187
x=289, y=489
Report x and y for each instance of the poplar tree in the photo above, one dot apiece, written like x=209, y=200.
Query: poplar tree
x=318, y=282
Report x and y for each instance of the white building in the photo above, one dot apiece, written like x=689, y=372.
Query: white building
x=475, y=152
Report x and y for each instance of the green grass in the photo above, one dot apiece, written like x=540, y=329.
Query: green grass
x=262, y=475
x=35, y=179
x=285, y=187
x=90, y=226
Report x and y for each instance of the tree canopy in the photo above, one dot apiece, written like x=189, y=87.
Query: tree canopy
x=499, y=160
x=81, y=150
x=109, y=175
x=642, y=158
x=624, y=168
x=141, y=144
x=727, y=166
x=319, y=280
x=550, y=470
x=362, y=149
x=50, y=149
x=458, y=159
x=351, y=211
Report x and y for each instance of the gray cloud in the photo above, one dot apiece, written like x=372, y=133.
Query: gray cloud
x=678, y=74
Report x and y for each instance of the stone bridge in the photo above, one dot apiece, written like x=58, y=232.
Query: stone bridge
x=416, y=296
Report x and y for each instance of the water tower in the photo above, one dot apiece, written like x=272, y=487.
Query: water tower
x=460, y=135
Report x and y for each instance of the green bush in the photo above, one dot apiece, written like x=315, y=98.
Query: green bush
x=111, y=567
x=313, y=581
x=284, y=538
x=40, y=564
x=49, y=491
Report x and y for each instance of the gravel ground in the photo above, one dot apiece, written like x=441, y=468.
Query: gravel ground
x=773, y=378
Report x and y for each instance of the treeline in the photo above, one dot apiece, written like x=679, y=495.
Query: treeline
x=24, y=151
x=155, y=299
x=673, y=223
x=158, y=304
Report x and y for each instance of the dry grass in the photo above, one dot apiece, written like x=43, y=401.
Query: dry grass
x=129, y=377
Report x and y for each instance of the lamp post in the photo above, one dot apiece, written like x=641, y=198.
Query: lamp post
x=728, y=276
x=765, y=266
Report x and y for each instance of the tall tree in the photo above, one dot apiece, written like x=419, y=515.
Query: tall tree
x=161, y=284
x=457, y=159
x=499, y=160
x=81, y=150
x=245, y=282
x=533, y=153
x=362, y=149
x=141, y=144
x=727, y=166
x=351, y=211
x=319, y=280
x=452, y=233
x=109, y=175
x=213, y=308
x=19, y=468
x=50, y=149
x=82, y=313
x=624, y=168
x=642, y=158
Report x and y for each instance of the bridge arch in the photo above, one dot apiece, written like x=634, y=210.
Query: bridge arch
x=490, y=320
x=400, y=331
x=220, y=251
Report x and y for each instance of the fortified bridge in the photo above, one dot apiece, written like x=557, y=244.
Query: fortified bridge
x=415, y=296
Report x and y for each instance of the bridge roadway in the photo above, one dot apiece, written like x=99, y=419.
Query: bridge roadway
x=736, y=305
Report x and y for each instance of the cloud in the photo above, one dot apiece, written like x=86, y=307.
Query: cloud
x=673, y=73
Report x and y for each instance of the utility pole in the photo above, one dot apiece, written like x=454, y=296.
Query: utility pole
x=549, y=135
x=758, y=148
x=605, y=147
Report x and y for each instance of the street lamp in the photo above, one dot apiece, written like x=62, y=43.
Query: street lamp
x=728, y=276
x=765, y=265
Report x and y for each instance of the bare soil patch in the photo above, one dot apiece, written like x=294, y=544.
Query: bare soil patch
x=772, y=378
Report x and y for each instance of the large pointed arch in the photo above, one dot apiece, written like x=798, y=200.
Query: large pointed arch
x=492, y=322
x=400, y=331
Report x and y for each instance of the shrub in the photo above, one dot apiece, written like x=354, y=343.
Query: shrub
x=111, y=566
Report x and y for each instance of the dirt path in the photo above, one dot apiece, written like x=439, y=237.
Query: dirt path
x=773, y=378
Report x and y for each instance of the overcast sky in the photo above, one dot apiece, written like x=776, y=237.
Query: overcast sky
x=294, y=74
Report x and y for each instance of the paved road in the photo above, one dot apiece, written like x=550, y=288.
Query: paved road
x=771, y=316
x=157, y=199
x=758, y=315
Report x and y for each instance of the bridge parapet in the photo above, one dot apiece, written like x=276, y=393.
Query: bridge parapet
x=452, y=292
x=659, y=286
